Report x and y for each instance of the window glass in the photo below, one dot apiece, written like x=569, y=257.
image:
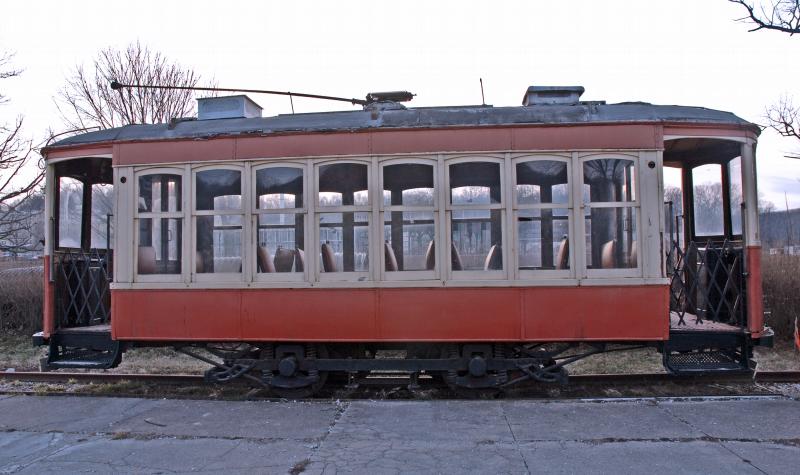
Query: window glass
x=70, y=212
x=475, y=183
x=708, y=206
x=543, y=239
x=160, y=245
x=542, y=181
x=159, y=193
x=280, y=243
x=344, y=242
x=219, y=236
x=212, y=185
x=408, y=184
x=673, y=193
x=611, y=238
x=476, y=239
x=343, y=184
x=219, y=244
x=279, y=187
x=102, y=209
x=408, y=238
x=735, y=193
x=609, y=180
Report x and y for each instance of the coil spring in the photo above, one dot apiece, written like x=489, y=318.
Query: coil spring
x=311, y=354
x=267, y=353
x=500, y=352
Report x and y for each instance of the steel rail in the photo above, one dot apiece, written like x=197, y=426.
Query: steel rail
x=381, y=378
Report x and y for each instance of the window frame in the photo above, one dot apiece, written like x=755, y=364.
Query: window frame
x=580, y=210
x=255, y=276
x=239, y=277
x=137, y=215
x=539, y=274
x=369, y=209
x=475, y=275
x=411, y=275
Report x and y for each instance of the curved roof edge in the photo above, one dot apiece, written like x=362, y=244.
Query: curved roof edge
x=417, y=118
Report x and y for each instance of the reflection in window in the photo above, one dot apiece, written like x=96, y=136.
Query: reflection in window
x=543, y=238
x=611, y=238
x=609, y=180
x=102, y=209
x=477, y=230
x=343, y=184
x=280, y=235
x=160, y=236
x=344, y=242
x=735, y=194
x=219, y=230
x=542, y=181
x=408, y=235
x=709, y=210
x=70, y=212
x=160, y=245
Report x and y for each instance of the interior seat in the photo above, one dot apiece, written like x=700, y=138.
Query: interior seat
x=562, y=257
x=494, y=259
x=328, y=259
x=430, y=256
x=455, y=258
x=607, y=255
x=265, y=263
x=389, y=257
x=299, y=260
x=284, y=258
x=146, y=260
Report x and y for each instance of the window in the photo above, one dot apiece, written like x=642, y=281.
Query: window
x=542, y=215
x=102, y=215
x=70, y=212
x=280, y=220
x=343, y=214
x=218, y=221
x=610, y=201
x=408, y=209
x=735, y=194
x=476, y=216
x=159, y=223
x=709, y=210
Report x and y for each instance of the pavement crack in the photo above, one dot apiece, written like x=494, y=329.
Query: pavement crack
x=516, y=442
x=711, y=438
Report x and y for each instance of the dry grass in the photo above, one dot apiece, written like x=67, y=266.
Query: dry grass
x=21, y=294
x=781, y=281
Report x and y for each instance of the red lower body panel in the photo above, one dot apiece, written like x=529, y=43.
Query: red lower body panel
x=397, y=314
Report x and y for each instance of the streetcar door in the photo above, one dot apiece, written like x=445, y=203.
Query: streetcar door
x=82, y=242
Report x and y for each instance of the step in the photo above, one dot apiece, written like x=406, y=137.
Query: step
x=83, y=347
x=706, y=361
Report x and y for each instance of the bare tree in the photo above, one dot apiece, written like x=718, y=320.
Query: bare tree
x=779, y=15
x=87, y=99
x=17, y=155
x=784, y=117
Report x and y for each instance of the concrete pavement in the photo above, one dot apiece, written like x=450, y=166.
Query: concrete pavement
x=121, y=435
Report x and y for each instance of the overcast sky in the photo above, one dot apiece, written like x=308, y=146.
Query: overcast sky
x=683, y=52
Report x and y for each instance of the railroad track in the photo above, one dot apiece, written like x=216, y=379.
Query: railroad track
x=390, y=379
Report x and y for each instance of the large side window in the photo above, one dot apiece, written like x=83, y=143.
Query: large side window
x=280, y=221
x=159, y=223
x=476, y=216
x=735, y=194
x=102, y=216
x=218, y=216
x=408, y=209
x=709, y=210
x=70, y=212
x=542, y=203
x=610, y=207
x=343, y=215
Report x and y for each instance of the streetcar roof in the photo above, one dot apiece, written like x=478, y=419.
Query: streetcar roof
x=584, y=113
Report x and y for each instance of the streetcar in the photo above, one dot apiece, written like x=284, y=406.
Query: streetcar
x=481, y=245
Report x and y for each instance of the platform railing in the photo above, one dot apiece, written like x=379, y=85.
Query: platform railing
x=707, y=282
x=82, y=278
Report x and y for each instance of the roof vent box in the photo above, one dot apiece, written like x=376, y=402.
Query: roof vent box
x=227, y=107
x=552, y=95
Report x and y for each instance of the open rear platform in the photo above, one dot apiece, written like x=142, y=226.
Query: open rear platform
x=692, y=324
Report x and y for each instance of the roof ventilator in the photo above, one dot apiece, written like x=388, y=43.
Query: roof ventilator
x=227, y=107
x=552, y=95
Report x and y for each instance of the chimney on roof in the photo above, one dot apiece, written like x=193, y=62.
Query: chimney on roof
x=227, y=107
x=552, y=95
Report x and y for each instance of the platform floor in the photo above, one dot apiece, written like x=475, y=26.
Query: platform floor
x=692, y=324
x=119, y=435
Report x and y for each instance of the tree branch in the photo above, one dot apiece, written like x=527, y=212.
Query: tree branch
x=784, y=15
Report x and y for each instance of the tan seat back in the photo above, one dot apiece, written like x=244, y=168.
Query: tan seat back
x=455, y=258
x=389, y=257
x=607, y=255
x=634, y=257
x=284, y=258
x=562, y=258
x=199, y=266
x=494, y=259
x=430, y=256
x=299, y=260
x=146, y=260
x=265, y=263
x=328, y=259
